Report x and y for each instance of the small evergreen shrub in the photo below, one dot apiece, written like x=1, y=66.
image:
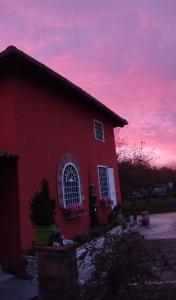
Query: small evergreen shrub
x=42, y=206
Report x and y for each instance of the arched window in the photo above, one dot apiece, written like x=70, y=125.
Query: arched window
x=71, y=185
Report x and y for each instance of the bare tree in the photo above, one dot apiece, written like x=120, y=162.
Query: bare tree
x=136, y=166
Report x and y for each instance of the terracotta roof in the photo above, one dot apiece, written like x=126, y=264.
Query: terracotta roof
x=13, y=51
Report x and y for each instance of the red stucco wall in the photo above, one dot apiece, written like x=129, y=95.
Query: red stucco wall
x=49, y=125
x=10, y=250
x=7, y=115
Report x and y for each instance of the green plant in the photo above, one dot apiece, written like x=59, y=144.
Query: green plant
x=91, y=234
x=93, y=207
x=113, y=216
x=123, y=267
x=42, y=206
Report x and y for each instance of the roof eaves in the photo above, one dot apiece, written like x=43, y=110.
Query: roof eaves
x=118, y=121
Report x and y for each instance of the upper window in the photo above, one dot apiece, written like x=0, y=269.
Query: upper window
x=104, y=183
x=98, y=130
x=71, y=185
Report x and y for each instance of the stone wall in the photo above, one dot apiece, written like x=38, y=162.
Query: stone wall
x=54, y=267
x=58, y=273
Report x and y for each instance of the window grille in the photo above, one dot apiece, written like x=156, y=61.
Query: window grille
x=104, y=184
x=71, y=185
x=99, y=132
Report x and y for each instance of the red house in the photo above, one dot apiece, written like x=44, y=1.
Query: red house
x=50, y=128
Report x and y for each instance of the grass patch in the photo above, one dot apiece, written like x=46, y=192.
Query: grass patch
x=153, y=206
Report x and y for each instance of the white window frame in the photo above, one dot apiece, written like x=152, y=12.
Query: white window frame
x=112, y=186
x=98, y=122
x=102, y=166
x=79, y=186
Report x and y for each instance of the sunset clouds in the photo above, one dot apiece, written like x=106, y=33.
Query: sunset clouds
x=120, y=51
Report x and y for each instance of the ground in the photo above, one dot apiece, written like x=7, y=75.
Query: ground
x=162, y=226
x=18, y=289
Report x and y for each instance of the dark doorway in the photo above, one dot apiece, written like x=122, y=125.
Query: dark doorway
x=9, y=214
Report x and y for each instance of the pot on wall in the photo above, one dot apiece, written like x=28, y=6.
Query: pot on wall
x=145, y=219
x=42, y=214
x=43, y=235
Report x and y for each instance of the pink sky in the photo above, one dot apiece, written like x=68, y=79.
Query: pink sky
x=120, y=51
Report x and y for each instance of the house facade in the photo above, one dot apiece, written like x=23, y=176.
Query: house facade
x=50, y=128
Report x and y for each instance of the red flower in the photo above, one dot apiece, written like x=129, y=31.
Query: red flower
x=74, y=208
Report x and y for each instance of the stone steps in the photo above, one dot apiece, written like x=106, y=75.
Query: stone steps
x=5, y=276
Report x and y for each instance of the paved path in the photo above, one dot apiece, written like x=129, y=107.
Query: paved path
x=162, y=226
x=17, y=289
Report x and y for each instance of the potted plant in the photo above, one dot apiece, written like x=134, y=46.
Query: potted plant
x=42, y=214
x=115, y=215
x=94, y=219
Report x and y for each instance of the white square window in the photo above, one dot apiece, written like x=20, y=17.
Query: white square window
x=104, y=182
x=99, y=131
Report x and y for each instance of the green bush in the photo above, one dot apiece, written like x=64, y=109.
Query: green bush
x=123, y=266
x=42, y=206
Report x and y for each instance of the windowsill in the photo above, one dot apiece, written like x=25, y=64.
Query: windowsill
x=103, y=141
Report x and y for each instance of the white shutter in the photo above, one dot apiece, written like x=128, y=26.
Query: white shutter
x=112, y=189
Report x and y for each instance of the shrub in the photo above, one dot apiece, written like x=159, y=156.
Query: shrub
x=42, y=206
x=121, y=265
x=91, y=234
